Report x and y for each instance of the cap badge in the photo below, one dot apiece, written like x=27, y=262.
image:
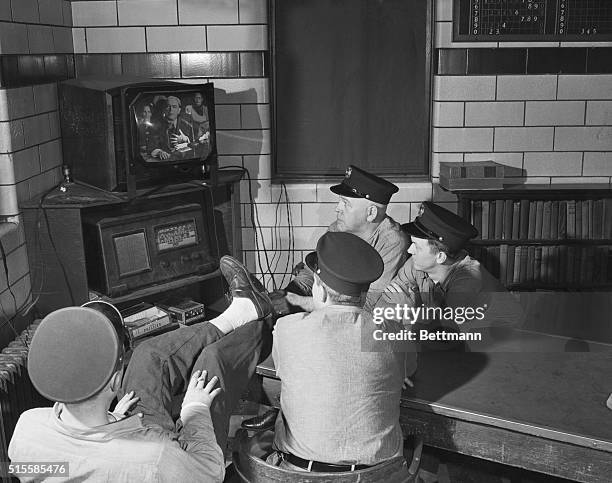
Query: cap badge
x=348, y=172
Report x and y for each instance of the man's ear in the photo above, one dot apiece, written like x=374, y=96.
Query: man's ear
x=441, y=258
x=116, y=380
x=324, y=293
x=372, y=213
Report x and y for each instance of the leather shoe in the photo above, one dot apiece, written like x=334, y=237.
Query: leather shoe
x=244, y=285
x=263, y=422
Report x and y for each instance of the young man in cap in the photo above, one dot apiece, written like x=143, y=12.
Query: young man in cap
x=361, y=211
x=440, y=274
x=340, y=400
x=77, y=358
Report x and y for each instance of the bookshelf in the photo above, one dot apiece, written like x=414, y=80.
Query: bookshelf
x=553, y=237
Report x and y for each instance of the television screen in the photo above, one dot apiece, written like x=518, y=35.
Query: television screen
x=172, y=126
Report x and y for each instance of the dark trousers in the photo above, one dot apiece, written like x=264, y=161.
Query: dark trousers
x=160, y=368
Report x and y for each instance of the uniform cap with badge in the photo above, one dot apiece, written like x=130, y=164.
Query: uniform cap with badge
x=358, y=183
x=75, y=351
x=437, y=223
x=345, y=263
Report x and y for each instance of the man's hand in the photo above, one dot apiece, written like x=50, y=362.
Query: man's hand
x=125, y=404
x=200, y=393
x=180, y=138
x=305, y=303
x=159, y=153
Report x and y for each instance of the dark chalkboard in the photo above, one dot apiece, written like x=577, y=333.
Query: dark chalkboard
x=351, y=85
x=520, y=20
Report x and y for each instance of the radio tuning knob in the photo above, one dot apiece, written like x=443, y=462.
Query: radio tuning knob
x=164, y=264
x=185, y=258
x=196, y=256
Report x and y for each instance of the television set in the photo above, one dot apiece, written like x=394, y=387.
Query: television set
x=123, y=134
x=127, y=251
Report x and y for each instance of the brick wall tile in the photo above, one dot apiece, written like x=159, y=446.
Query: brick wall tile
x=36, y=129
x=318, y=214
x=253, y=11
x=16, y=103
x=25, y=11
x=5, y=11
x=597, y=164
x=243, y=142
x=233, y=160
x=510, y=139
x=50, y=12
x=11, y=136
x=123, y=39
x=259, y=166
x=297, y=193
x=7, y=205
x=147, y=12
x=13, y=38
x=526, y=87
x=554, y=113
x=306, y=237
x=96, y=13
x=54, y=124
x=26, y=163
x=583, y=139
x=237, y=37
x=464, y=88
x=448, y=114
x=78, y=41
x=50, y=155
x=208, y=12
x=452, y=140
x=14, y=238
x=227, y=116
x=400, y=212
x=411, y=192
x=255, y=116
x=67, y=13
x=585, y=86
x=62, y=40
x=45, y=97
x=17, y=263
x=241, y=91
x=599, y=113
x=494, y=113
x=260, y=190
x=553, y=164
x=40, y=39
x=7, y=171
x=324, y=194
x=270, y=216
x=176, y=39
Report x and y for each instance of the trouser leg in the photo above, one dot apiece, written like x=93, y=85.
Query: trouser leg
x=233, y=360
x=160, y=367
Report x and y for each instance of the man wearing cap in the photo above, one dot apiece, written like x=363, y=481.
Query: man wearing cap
x=362, y=211
x=340, y=401
x=441, y=274
x=76, y=359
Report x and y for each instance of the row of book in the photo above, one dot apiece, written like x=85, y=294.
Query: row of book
x=561, y=265
x=542, y=219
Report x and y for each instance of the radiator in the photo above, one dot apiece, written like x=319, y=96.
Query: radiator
x=16, y=391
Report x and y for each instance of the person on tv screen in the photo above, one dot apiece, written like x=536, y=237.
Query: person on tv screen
x=147, y=130
x=199, y=114
x=179, y=137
